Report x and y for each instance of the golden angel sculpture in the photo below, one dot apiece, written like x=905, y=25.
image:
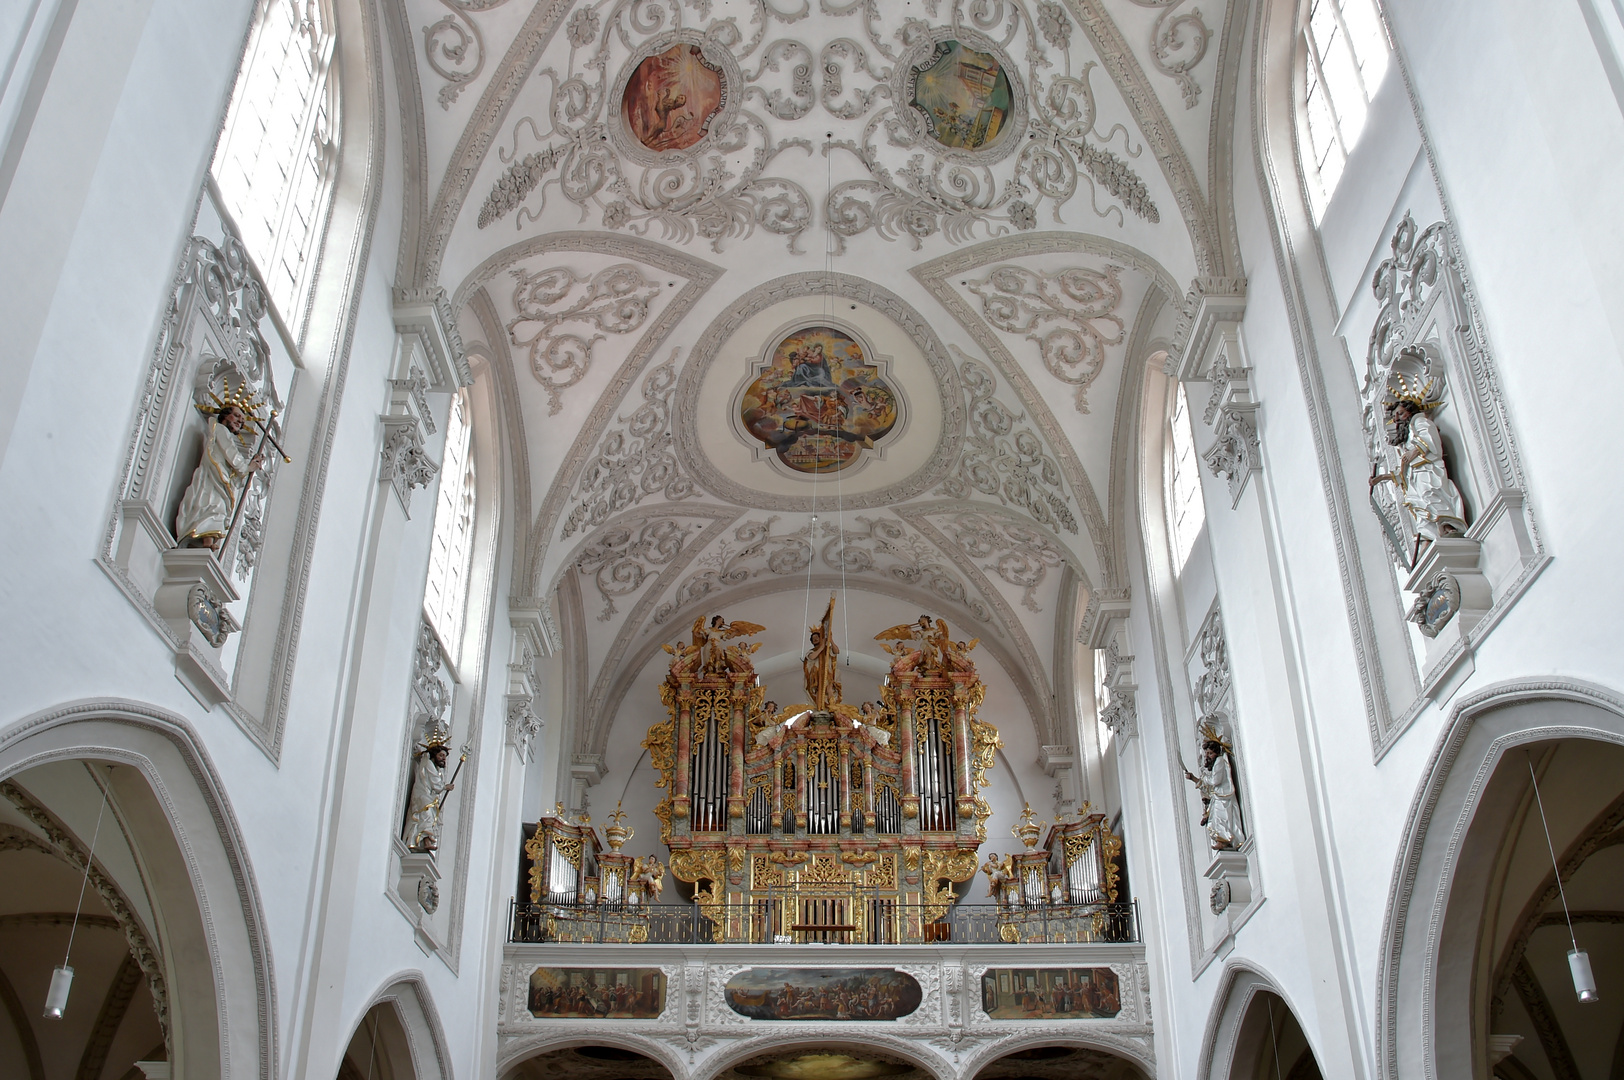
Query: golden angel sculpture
x=709, y=652
x=926, y=647
x=820, y=664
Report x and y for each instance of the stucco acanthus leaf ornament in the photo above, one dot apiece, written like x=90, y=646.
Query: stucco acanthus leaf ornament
x=634, y=459
x=403, y=462
x=753, y=550
x=624, y=557
x=889, y=547
x=715, y=187
x=431, y=696
x=454, y=47
x=1121, y=710
x=557, y=308
x=1070, y=314
x=1003, y=457
x=1235, y=452
x=1019, y=554
x=1178, y=42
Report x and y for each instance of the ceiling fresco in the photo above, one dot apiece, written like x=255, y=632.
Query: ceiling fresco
x=781, y=295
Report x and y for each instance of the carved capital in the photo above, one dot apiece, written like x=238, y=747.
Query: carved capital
x=424, y=315
x=1212, y=304
x=1235, y=454
x=403, y=463
x=523, y=725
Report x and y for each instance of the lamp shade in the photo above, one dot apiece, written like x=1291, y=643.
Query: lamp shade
x=56, y=998
x=1584, y=980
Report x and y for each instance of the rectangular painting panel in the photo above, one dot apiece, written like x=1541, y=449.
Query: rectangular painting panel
x=609, y=993
x=823, y=993
x=1050, y=993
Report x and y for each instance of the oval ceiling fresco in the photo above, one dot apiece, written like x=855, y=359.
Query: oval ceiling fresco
x=672, y=97
x=963, y=95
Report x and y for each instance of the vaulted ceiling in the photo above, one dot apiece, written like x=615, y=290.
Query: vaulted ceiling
x=990, y=211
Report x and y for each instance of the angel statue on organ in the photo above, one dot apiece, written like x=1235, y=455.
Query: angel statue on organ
x=820, y=665
x=208, y=510
x=1428, y=496
x=935, y=649
x=715, y=655
x=648, y=877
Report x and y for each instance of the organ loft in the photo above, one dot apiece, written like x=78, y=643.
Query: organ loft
x=823, y=821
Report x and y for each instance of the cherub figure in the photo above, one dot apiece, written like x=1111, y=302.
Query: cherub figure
x=717, y=656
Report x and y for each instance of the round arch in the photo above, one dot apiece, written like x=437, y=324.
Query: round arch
x=1424, y=1006
x=1127, y=1049
x=522, y=1050
x=213, y=950
x=914, y=1052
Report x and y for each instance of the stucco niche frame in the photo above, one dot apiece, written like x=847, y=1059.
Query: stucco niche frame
x=792, y=287
x=757, y=365
x=725, y=117
x=917, y=60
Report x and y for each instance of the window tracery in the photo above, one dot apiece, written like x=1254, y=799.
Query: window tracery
x=1345, y=59
x=276, y=160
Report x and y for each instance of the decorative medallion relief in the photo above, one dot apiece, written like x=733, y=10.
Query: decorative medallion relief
x=819, y=403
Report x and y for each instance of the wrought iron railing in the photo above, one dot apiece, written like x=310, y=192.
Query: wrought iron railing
x=766, y=922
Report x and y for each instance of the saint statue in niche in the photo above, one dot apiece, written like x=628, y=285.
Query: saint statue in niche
x=208, y=510
x=1220, y=799
x=672, y=97
x=429, y=789
x=818, y=403
x=963, y=95
x=1429, y=497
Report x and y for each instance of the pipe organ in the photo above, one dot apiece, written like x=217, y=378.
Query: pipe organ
x=823, y=820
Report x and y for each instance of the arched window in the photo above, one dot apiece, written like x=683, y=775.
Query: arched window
x=277, y=156
x=1186, y=511
x=1345, y=57
x=445, y=599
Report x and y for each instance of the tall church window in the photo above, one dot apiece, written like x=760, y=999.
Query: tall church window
x=445, y=599
x=276, y=160
x=1187, y=512
x=1345, y=56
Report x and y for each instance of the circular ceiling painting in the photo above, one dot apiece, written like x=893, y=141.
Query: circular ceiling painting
x=672, y=97
x=819, y=402
x=963, y=96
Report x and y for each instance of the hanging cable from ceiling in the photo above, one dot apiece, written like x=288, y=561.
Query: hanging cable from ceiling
x=56, y=998
x=1584, y=980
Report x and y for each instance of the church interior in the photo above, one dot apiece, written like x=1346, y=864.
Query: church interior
x=811, y=539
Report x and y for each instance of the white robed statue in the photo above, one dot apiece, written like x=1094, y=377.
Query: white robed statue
x=1429, y=497
x=222, y=476
x=429, y=789
x=1221, y=816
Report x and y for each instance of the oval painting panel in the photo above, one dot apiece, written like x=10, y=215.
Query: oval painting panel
x=823, y=993
x=819, y=404
x=963, y=95
x=672, y=97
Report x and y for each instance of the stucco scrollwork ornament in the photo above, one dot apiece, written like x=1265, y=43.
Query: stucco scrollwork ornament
x=1020, y=555
x=431, y=697
x=557, y=310
x=1070, y=314
x=454, y=47
x=634, y=459
x=1003, y=457
x=624, y=557
x=753, y=549
x=1178, y=42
